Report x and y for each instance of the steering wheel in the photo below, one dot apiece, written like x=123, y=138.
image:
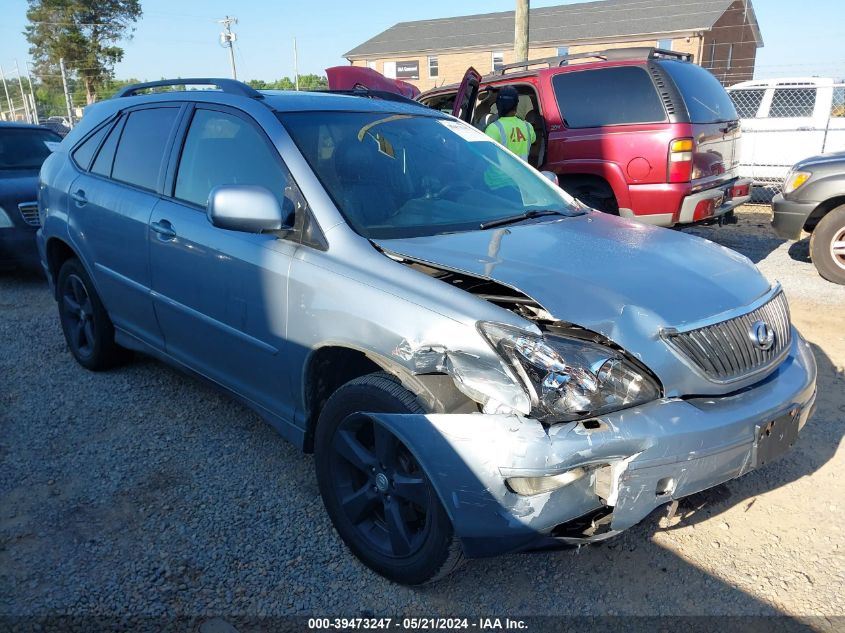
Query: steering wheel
x=454, y=189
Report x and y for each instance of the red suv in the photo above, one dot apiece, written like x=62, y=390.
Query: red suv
x=638, y=132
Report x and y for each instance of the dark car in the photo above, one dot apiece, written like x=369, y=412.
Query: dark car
x=22, y=150
x=813, y=200
x=639, y=132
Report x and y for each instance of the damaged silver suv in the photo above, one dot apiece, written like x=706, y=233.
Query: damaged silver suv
x=479, y=363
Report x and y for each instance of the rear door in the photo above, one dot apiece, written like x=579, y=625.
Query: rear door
x=713, y=119
x=110, y=207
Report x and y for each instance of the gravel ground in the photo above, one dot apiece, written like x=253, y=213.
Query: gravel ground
x=142, y=492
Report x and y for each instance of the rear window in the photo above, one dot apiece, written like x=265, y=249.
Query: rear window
x=788, y=102
x=141, y=150
x=607, y=96
x=704, y=96
x=25, y=148
x=747, y=101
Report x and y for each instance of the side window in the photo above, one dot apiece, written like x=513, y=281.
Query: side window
x=792, y=102
x=84, y=152
x=223, y=149
x=747, y=102
x=444, y=103
x=105, y=157
x=837, y=106
x=140, y=153
x=607, y=96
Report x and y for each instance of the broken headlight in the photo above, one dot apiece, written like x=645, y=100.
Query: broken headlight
x=567, y=378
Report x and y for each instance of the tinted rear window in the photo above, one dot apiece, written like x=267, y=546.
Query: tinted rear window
x=85, y=152
x=143, y=142
x=105, y=157
x=704, y=96
x=607, y=96
x=25, y=148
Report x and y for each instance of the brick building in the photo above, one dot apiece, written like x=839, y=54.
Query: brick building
x=722, y=35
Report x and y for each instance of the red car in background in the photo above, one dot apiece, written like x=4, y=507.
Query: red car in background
x=640, y=132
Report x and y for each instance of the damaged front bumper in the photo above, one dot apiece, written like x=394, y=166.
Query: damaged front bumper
x=627, y=463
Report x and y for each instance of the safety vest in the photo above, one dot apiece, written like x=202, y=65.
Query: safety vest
x=514, y=133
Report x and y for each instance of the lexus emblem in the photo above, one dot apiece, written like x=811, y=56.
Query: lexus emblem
x=762, y=335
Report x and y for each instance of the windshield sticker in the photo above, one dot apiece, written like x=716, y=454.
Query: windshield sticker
x=466, y=132
x=52, y=145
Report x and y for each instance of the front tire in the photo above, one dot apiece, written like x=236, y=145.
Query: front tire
x=827, y=246
x=86, y=325
x=377, y=496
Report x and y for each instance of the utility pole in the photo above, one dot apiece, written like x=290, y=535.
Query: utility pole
x=6, y=89
x=227, y=40
x=295, y=65
x=520, y=36
x=23, y=94
x=32, y=93
x=68, y=102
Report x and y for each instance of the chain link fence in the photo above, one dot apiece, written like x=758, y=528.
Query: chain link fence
x=783, y=122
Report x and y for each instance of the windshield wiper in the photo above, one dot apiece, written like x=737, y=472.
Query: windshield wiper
x=527, y=215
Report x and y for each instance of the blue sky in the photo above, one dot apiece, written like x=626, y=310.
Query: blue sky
x=179, y=37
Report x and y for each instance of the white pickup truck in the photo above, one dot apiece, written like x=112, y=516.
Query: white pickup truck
x=787, y=120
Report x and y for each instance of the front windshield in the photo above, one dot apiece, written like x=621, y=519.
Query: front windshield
x=408, y=175
x=25, y=148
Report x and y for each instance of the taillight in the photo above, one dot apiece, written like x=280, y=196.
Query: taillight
x=680, y=160
x=704, y=209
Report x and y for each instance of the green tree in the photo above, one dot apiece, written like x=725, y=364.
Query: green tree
x=83, y=32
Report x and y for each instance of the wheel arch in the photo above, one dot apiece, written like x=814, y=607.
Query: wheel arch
x=58, y=252
x=329, y=367
x=596, y=181
x=822, y=210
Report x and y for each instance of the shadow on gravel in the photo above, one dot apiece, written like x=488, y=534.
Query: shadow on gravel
x=800, y=251
x=755, y=246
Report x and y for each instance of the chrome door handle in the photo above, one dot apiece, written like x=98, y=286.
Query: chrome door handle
x=78, y=196
x=806, y=128
x=164, y=228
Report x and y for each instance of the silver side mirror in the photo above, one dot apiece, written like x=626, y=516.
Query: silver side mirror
x=551, y=176
x=248, y=208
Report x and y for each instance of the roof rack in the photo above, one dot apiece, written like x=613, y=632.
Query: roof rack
x=637, y=52
x=229, y=86
x=373, y=94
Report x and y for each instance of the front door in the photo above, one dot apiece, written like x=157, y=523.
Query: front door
x=467, y=95
x=220, y=295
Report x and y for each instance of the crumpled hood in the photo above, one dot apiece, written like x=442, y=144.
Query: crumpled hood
x=620, y=278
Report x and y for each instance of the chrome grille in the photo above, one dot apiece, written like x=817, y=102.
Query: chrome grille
x=726, y=351
x=29, y=212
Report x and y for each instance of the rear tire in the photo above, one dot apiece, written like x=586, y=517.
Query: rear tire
x=377, y=496
x=827, y=246
x=86, y=325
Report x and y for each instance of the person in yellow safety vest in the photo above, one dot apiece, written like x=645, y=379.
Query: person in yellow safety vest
x=509, y=130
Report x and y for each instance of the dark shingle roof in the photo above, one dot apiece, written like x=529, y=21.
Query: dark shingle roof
x=562, y=24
